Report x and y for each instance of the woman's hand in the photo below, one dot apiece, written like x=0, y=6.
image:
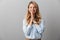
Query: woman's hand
x=32, y=18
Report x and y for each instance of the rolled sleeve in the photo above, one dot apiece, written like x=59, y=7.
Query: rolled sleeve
x=26, y=28
x=40, y=27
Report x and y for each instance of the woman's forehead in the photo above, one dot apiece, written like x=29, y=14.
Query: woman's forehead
x=33, y=5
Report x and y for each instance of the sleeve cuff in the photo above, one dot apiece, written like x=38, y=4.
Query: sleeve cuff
x=29, y=26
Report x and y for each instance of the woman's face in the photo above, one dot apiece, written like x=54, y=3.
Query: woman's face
x=32, y=9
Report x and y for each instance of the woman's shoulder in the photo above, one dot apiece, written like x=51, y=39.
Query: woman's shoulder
x=42, y=21
x=24, y=20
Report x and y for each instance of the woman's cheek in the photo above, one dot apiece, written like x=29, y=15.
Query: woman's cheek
x=29, y=10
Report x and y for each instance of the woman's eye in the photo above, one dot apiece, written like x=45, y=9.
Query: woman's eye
x=30, y=7
x=34, y=7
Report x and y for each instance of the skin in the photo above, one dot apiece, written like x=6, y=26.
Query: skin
x=32, y=10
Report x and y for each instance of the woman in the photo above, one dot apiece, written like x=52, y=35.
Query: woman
x=33, y=26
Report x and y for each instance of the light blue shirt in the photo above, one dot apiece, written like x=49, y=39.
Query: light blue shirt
x=33, y=31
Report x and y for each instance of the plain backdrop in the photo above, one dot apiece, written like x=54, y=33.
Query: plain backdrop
x=12, y=13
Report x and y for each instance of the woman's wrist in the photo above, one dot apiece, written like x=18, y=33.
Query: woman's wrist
x=30, y=22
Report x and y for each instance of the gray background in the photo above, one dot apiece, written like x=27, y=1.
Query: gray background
x=12, y=14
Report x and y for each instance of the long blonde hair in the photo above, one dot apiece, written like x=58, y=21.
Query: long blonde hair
x=37, y=17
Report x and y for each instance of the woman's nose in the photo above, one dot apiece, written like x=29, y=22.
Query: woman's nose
x=32, y=8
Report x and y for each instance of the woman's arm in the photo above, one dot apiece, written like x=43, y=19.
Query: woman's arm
x=40, y=27
x=26, y=28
